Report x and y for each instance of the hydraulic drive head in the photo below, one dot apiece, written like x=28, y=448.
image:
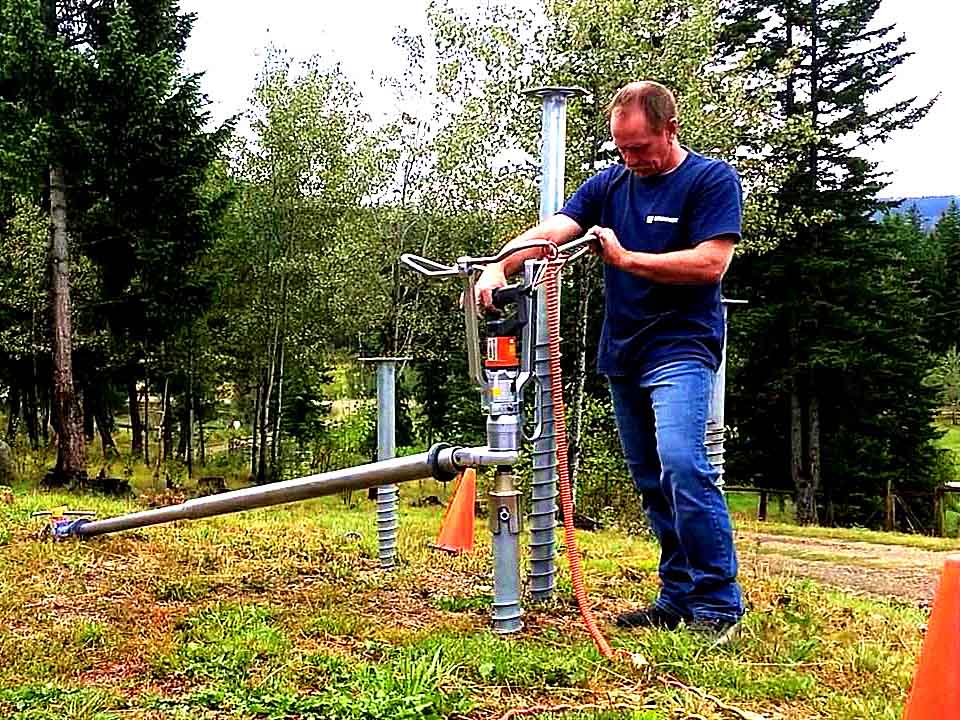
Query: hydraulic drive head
x=501, y=363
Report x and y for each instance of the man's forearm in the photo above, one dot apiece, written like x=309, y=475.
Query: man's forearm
x=700, y=266
x=556, y=229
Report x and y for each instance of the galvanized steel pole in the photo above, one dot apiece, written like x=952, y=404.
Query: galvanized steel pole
x=505, y=525
x=716, y=429
x=442, y=459
x=388, y=496
x=543, y=510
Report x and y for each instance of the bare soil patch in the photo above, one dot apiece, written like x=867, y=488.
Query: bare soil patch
x=887, y=571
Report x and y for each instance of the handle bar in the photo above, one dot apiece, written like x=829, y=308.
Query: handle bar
x=466, y=265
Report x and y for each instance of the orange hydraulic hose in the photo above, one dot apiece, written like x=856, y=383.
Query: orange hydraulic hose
x=566, y=496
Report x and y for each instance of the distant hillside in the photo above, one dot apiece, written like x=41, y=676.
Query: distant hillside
x=930, y=208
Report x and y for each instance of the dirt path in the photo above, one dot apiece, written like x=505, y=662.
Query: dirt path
x=888, y=571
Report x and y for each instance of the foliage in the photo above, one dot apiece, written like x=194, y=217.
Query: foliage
x=946, y=305
x=945, y=377
x=248, y=270
x=223, y=642
x=829, y=356
x=604, y=488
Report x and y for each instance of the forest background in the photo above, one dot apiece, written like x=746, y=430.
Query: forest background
x=170, y=290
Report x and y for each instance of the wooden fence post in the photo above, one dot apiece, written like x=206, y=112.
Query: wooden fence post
x=890, y=516
x=939, y=512
x=762, y=507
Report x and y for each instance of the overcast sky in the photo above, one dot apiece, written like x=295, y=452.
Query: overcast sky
x=229, y=37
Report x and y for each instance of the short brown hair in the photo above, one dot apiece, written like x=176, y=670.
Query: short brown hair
x=654, y=100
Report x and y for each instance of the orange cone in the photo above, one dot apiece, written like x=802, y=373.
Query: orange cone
x=936, y=685
x=456, y=530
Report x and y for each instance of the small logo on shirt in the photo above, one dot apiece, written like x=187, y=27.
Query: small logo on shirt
x=660, y=218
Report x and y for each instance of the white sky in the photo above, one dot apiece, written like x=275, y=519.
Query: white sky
x=229, y=37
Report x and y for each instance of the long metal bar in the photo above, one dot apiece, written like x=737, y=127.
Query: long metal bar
x=716, y=428
x=385, y=472
x=543, y=506
x=388, y=496
x=505, y=524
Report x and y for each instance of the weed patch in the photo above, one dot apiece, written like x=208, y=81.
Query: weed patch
x=224, y=642
x=489, y=659
x=408, y=689
x=48, y=702
x=462, y=604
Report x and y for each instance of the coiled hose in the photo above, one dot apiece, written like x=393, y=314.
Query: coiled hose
x=566, y=496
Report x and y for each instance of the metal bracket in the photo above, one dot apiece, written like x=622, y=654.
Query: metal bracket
x=505, y=512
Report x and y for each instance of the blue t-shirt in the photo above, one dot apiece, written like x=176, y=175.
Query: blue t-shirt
x=647, y=324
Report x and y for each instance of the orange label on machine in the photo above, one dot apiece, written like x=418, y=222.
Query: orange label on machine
x=501, y=352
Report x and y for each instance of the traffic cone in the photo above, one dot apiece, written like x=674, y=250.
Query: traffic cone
x=936, y=685
x=456, y=530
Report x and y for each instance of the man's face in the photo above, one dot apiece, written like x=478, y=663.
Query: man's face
x=645, y=151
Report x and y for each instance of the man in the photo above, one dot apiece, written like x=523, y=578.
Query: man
x=666, y=221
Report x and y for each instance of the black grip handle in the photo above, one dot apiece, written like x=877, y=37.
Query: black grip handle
x=501, y=297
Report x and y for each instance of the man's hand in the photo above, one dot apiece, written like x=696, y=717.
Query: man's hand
x=608, y=246
x=490, y=279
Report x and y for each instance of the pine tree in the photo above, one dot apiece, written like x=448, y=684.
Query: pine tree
x=830, y=311
x=946, y=313
x=109, y=135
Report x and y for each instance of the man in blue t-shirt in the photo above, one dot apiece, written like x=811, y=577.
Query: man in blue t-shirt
x=666, y=220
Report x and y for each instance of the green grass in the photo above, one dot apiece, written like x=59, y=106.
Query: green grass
x=284, y=613
x=745, y=505
x=923, y=542
x=951, y=438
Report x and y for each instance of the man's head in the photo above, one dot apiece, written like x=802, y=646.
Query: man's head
x=643, y=122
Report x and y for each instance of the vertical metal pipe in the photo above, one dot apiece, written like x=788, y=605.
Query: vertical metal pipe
x=505, y=524
x=543, y=510
x=715, y=421
x=388, y=497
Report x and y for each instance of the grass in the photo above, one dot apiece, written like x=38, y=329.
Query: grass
x=950, y=439
x=284, y=613
x=923, y=542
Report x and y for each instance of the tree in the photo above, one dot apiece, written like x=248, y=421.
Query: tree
x=816, y=328
x=946, y=311
x=945, y=377
x=43, y=73
x=95, y=94
x=24, y=337
x=299, y=183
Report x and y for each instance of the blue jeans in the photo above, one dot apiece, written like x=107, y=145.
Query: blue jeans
x=661, y=417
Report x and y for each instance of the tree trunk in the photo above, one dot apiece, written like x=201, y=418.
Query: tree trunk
x=86, y=402
x=267, y=398
x=801, y=453
x=136, y=424
x=45, y=421
x=275, y=469
x=253, y=433
x=32, y=410
x=813, y=451
x=890, y=509
x=183, y=430
x=200, y=436
x=71, y=450
x=13, y=416
x=146, y=419
x=264, y=424
x=104, y=421
x=166, y=423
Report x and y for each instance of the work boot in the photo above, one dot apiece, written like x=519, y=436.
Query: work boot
x=649, y=617
x=721, y=631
